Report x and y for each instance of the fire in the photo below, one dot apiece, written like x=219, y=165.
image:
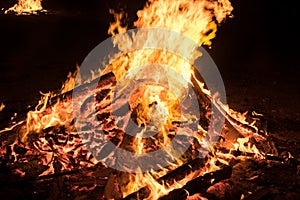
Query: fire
x=26, y=6
x=244, y=145
x=2, y=106
x=43, y=117
x=159, y=189
x=194, y=19
x=154, y=106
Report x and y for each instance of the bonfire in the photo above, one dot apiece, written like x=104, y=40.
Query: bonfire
x=74, y=141
x=26, y=7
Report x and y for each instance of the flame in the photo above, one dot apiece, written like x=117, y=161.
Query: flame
x=244, y=149
x=241, y=117
x=2, y=106
x=193, y=19
x=26, y=6
x=244, y=145
x=117, y=25
x=157, y=189
x=43, y=117
x=156, y=106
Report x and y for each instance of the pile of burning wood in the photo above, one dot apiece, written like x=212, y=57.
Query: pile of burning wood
x=55, y=163
x=54, y=151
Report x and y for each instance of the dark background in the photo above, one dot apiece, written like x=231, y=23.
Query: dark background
x=256, y=53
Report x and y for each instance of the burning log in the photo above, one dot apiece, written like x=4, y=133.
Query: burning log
x=88, y=98
x=207, y=101
x=283, y=159
x=101, y=99
x=99, y=103
x=168, y=179
x=83, y=91
x=200, y=184
x=54, y=141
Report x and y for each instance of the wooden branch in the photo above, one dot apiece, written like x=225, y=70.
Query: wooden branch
x=175, y=175
x=289, y=161
x=83, y=90
x=199, y=184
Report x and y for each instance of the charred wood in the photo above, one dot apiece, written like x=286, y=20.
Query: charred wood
x=200, y=184
x=290, y=161
x=175, y=175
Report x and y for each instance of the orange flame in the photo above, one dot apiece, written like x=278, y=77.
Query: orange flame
x=244, y=145
x=2, y=106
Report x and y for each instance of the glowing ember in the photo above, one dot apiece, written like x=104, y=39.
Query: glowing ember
x=26, y=7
